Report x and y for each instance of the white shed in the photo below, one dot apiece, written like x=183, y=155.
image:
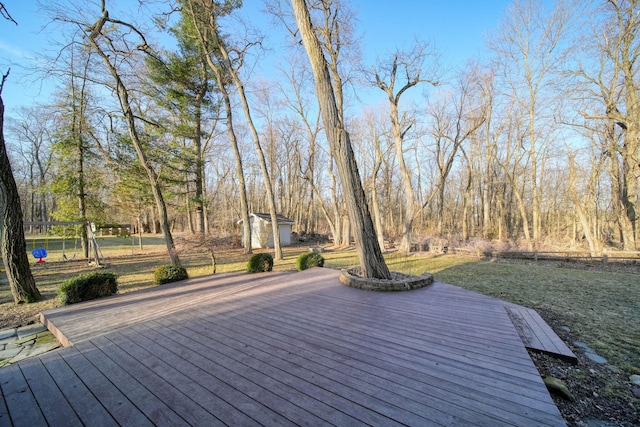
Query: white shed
x=261, y=233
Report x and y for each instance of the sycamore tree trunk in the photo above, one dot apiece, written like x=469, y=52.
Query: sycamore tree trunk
x=14, y=250
x=592, y=239
x=398, y=137
x=268, y=184
x=242, y=186
x=372, y=262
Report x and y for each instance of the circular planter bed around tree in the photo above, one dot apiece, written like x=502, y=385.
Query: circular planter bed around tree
x=398, y=282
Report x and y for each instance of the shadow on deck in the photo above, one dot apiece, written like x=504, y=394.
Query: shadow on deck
x=281, y=349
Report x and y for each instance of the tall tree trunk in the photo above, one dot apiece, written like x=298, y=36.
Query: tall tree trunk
x=268, y=184
x=199, y=169
x=375, y=203
x=535, y=217
x=631, y=165
x=14, y=248
x=409, y=212
x=372, y=263
x=123, y=96
x=406, y=66
x=594, y=246
x=204, y=15
x=336, y=229
x=78, y=104
x=244, y=204
x=525, y=220
x=466, y=202
x=377, y=217
x=334, y=226
x=346, y=231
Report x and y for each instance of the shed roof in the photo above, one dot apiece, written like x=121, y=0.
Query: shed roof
x=267, y=217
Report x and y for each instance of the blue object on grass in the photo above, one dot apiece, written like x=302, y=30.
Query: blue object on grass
x=39, y=253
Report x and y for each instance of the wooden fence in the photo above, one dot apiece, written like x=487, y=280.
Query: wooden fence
x=632, y=257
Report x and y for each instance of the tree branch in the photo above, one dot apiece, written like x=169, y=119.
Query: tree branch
x=4, y=79
x=5, y=14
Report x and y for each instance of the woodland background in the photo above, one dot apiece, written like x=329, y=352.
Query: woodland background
x=535, y=145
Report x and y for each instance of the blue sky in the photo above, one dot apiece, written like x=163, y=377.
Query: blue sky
x=456, y=28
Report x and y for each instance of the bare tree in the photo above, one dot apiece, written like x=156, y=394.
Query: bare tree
x=529, y=48
x=456, y=114
x=372, y=262
x=404, y=70
x=299, y=79
x=205, y=14
x=579, y=205
x=376, y=144
x=612, y=81
x=239, y=169
x=32, y=130
x=514, y=168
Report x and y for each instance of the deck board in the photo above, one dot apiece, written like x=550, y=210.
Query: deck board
x=228, y=379
x=536, y=334
x=355, y=374
x=283, y=349
x=201, y=387
x=153, y=408
x=480, y=382
x=21, y=404
x=85, y=404
x=163, y=387
x=123, y=410
x=46, y=392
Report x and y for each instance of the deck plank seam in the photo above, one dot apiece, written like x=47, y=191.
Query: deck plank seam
x=544, y=393
x=243, y=372
x=233, y=338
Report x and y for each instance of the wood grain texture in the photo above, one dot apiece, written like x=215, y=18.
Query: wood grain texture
x=282, y=349
x=536, y=334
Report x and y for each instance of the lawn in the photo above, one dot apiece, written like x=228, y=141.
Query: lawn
x=600, y=306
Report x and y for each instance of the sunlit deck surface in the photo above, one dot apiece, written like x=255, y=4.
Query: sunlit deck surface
x=280, y=349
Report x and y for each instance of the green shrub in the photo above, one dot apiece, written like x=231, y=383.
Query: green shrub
x=87, y=286
x=308, y=260
x=259, y=263
x=169, y=273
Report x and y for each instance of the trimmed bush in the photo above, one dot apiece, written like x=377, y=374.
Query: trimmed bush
x=308, y=260
x=169, y=273
x=87, y=286
x=259, y=263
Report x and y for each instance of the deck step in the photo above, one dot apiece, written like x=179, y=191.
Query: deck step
x=536, y=334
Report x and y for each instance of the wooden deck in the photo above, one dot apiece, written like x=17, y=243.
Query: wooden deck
x=280, y=349
x=536, y=334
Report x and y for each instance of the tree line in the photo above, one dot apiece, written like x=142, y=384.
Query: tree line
x=161, y=122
